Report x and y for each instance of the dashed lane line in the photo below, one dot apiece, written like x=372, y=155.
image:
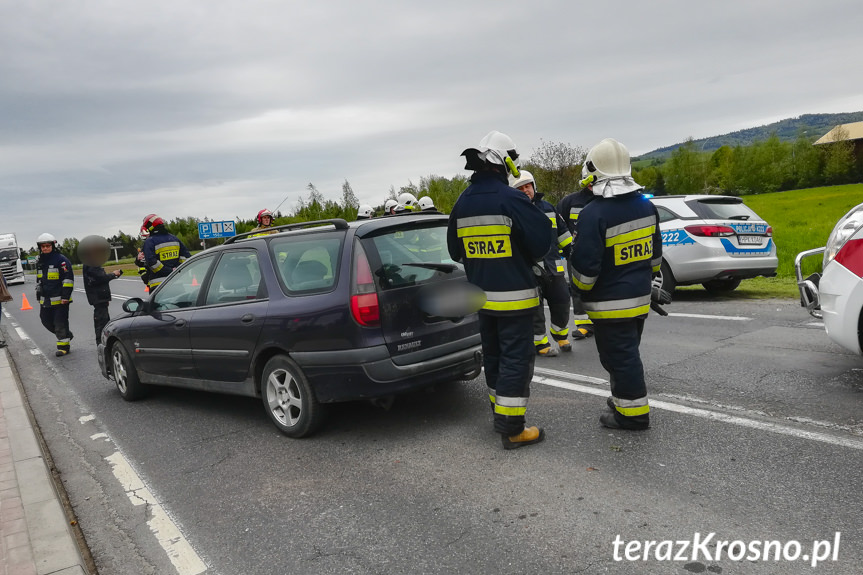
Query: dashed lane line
x=751, y=423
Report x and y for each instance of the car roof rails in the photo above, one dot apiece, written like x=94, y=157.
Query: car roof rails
x=337, y=223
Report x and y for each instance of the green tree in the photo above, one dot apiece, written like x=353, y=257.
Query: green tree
x=805, y=163
x=839, y=158
x=556, y=167
x=686, y=171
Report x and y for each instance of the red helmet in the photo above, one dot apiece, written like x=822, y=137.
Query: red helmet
x=263, y=213
x=151, y=221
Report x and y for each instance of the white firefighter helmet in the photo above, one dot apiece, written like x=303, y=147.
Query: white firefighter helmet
x=408, y=200
x=494, y=148
x=389, y=205
x=524, y=177
x=400, y=209
x=46, y=239
x=608, y=169
x=426, y=203
x=364, y=212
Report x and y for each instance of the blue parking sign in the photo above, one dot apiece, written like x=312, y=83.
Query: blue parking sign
x=209, y=230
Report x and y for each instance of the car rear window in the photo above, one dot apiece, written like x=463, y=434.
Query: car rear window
x=307, y=264
x=723, y=209
x=399, y=249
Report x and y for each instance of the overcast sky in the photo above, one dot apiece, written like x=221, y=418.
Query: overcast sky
x=110, y=110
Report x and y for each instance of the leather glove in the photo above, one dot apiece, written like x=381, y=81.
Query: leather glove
x=658, y=296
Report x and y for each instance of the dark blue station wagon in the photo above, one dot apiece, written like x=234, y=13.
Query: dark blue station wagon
x=316, y=313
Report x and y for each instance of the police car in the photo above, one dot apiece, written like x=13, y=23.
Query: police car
x=836, y=294
x=715, y=241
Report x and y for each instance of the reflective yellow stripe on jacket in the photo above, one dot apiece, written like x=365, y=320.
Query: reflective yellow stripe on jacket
x=632, y=241
x=511, y=300
x=618, y=308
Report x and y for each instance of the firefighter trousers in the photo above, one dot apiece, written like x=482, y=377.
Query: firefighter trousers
x=508, y=358
x=55, y=318
x=579, y=315
x=617, y=342
x=554, y=291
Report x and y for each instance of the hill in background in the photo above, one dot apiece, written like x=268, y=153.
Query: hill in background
x=813, y=125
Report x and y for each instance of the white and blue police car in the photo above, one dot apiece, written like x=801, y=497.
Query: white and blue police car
x=716, y=241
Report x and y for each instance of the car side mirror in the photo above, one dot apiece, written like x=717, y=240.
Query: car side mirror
x=133, y=305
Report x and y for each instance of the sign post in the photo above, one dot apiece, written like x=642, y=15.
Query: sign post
x=210, y=230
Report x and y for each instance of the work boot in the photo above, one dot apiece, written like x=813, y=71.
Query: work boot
x=564, y=345
x=62, y=352
x=612, y=422
x=528, y=436
x=582, y=332
x=546, y=351
x=609, y=401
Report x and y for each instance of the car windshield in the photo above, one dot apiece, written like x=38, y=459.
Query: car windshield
x=724, y=209
x=309, y=264
x=412, y=256
x=8, y=253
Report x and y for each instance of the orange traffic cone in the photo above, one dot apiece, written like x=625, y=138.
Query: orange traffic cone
x=25, y=305
x=146, y=289
x=194, y=281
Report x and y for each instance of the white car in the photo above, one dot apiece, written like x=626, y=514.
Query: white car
x=715, y=241
x=836, y=294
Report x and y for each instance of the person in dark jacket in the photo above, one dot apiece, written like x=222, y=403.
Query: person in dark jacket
x=163, y=251
x=96, y=281
x=498, y=234
x=54, y=284
x=550, y=274
x=570, y=207
x=617, y=250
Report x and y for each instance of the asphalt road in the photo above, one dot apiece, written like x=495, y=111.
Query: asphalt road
x=757, y=435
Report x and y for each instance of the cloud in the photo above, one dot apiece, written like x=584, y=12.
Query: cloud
x=109, y=111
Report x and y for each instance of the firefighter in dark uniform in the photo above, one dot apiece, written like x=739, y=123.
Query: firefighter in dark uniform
x=54, y=284
x=498, y=235
x=163, y=252
x=617, y=250
x=570, y=207
x=549, y=273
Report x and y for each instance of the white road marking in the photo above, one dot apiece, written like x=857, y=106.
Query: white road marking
x=22, y=334
x=186, y=561
x=716, y=416
x=816, y=324
x=96, y=436
x=84, y=419
x=575, y=376
x=702, y=316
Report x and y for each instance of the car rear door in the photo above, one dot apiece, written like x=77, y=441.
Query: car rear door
x=225, y=329
x=409, y=260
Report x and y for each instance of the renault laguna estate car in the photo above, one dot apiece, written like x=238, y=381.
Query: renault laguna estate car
x=316, y=313
x=715, y=241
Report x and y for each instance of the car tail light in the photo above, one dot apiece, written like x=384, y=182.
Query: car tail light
x=769, y=232
x=710, y=231
x=364, y=295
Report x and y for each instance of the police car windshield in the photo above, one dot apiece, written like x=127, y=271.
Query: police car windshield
x=723, y=209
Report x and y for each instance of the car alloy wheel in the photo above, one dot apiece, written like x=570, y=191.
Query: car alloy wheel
x=288, y=398
x=125, y=375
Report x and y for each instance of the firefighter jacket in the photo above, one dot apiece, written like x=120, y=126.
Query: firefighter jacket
x=96, y=284
x=562, y=242
x=616, y=252
x=498, y=235
x=263, y=231
x=54, y=278
x=163, y=253
x=571, y=205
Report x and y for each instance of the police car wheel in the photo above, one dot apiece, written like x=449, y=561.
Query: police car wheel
x=668, y=281
x=288, y=399
x=125, y=374
x=721, y=285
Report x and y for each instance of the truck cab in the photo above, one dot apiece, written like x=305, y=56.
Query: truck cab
x=10, y=259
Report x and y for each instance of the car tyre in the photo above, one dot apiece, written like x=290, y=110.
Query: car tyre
x=125, y=375
x=288, y=398
x=722, y=285
x=668, y=281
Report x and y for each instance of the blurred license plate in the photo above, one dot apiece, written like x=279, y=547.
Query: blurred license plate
x=750, y=240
